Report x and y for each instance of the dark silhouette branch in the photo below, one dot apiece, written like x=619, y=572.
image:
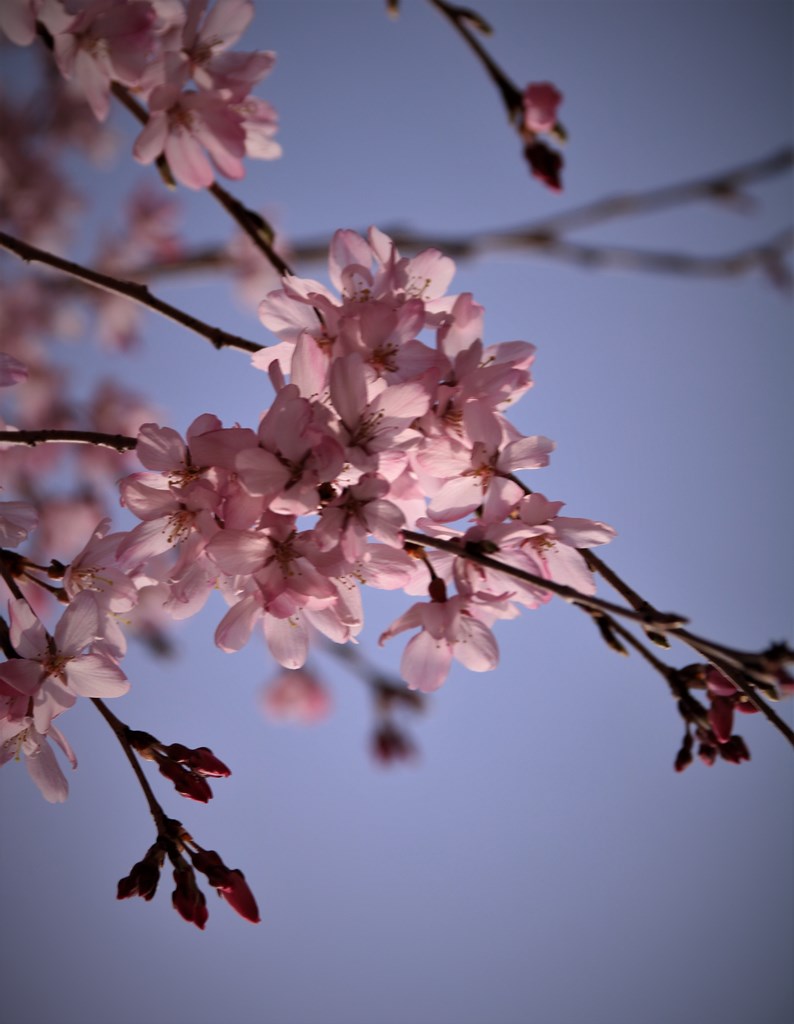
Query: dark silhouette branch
x=132, y=290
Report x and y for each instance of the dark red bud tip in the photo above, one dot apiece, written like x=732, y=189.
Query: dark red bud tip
x=391, y=744
x=178, y=752
x=437, y=589
x=141, y=881
x=683, y=759
x=211, y=865
x=239, y=896
x=203, y=761
x=188, y=900
x=545, y=164
x=194, y=787
x=735, y=750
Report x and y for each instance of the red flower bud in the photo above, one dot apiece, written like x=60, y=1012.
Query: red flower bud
x=188, y=900
x=544, y=163
x=239, y=896
x=203, y=761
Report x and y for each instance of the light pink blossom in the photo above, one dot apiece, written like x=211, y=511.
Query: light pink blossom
x=55, y=670
x=448, y=630
x=194, y=131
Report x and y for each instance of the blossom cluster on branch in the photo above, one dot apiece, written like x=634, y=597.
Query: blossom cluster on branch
x=386, y=458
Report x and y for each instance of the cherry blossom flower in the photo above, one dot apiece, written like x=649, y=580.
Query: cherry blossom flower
x=448, y=629
x=99, y=41
x=55, y=670
x=296, y=695
x=194, y=131
x=468, y=471
x=204, y=48
x=19, y=735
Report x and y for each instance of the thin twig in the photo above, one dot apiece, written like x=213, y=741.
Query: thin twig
x=545, y=237
x=118, y=442
x=460, y=17
x=252, y=223
x=658, y=620
x=120, y=731
x=130, y=289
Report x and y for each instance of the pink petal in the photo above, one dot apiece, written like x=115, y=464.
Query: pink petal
x=160, y=448
x=22, y=675
x=347, y=247
x=46, y=773
x=288, y=640
x=526, y=453
x=234, y=629
x=152, y=139
x=188, y=161
x=94, y=675
x=477, y=648
x=78, y=626
x=239, y=552
x=28, y=636
x=425, y=662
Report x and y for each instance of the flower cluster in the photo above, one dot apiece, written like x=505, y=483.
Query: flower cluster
x=174, y=55
x=388, y=417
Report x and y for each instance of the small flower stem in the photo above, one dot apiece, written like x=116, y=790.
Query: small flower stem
x=8, y=576
x=646, y=616
x=120, y=730
x=251, y=223
x=132, y=290
x=5, y=640
x=118, y=442
x=660, y=620
x=511, y=96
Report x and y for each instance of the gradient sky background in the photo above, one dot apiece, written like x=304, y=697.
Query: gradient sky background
x=541, y=863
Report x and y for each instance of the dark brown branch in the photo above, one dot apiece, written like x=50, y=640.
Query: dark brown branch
x=545, y=237
x=118, y=442
x=130, y=289
x=725, y=185
x=656, y=620
x=252, y=223
x=460, y=18
x=120, y=730
x=645, y=614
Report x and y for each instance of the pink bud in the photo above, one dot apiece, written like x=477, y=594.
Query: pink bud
x=541, y=100
x=721, y=718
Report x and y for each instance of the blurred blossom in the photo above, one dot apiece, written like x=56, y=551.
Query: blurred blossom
x=296, y=695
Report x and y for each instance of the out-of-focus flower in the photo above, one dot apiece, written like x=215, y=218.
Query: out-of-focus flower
x=541, y=100
x=296, y=695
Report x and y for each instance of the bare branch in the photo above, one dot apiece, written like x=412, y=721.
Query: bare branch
x=118, y=442
x=130, y=289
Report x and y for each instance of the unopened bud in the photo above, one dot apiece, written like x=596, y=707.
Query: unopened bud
x=735, y=750
x=187, y=899
x=204, y=762
x=544, y=163
x=391, y=744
